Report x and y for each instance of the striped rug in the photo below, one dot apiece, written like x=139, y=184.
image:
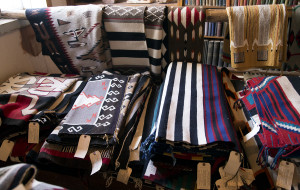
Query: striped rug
x=126, y=34
x=193, y=106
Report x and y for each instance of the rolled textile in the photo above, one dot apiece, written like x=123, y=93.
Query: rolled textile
x=258, y=36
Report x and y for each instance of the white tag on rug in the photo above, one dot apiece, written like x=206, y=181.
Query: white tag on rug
x=247, y=175
x=203, y=175
x=252, y=133
x=83, y=146
x=5, y=149
x=123, y=175
x=96, y=161
x=33, y=132
x=233, y=163
x=285, y=175
x=20, y=187
x=221, y=184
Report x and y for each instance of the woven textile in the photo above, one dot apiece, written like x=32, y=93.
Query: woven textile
x=63, y=155
x=72, y=37
x=101, y=106
x=293, y=53
x=126, y=33
x=277, y=103
x=154, y=18
x=186, y=31
x=192, y=106
x=257, y=36
x=24, y=95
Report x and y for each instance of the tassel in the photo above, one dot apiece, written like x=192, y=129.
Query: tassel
x=199, y=57
x=177, y=34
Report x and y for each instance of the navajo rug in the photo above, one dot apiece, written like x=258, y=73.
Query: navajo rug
x=100, y=107
x=24, y=95
x=193, y=109
x=63, y=155
x=72, y=37
x=126, y=137
x=293, y=52
x=277, y=102
x=185, y=31
x=154, y=18
x=257, y=45
x=125, y=29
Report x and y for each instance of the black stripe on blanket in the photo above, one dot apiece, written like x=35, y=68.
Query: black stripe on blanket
x=129, y=53
x=125, y=36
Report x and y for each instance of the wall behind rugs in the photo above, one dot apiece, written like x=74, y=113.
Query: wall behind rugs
x=16, y=55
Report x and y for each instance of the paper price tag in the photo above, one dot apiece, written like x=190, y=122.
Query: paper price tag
x=20, y=187
x=247, y=175
x=83, y=146
x=233, y=163
x=33, y=132
x=5, y=149
x=203, y=175
x=123, y=175
x=285, y=175
x=96, y=161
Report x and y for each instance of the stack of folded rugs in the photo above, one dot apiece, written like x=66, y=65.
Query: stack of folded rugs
x=193, y=124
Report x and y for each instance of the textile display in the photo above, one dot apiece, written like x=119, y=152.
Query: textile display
x=125, y=29
x=193, y=96
x=14, y=175
x=186, y=32
x=293, y=52
x=154, y=18
x=255, y=45
x=72, y=37
x=277, y=103
x=24, y=95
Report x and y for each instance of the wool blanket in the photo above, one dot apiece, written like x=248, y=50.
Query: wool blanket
x=277, y=101
x=293, y=52
x=186, y=32
x=125, y=27
x=258, y=36
x=24, y=95
x=73, y=37
x=193, y=109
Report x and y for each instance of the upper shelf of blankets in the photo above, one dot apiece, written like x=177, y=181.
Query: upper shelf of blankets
x=100, y=109
x=193, y=116
x=24, y=94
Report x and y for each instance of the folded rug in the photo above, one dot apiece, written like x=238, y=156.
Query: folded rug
x=24, y=95
x=72, y=36
x=257, y=36
x=193, y=107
